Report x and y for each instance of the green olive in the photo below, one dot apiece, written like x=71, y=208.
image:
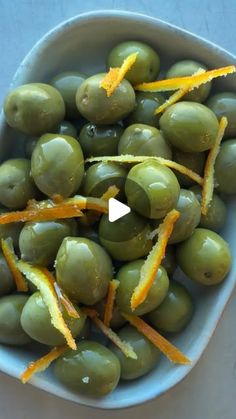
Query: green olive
x=224, y=104
x=216, y=214
x=92, y=370
x=11, y=332
x=36, y=322
x=147, y=354
x=67, y=128
x=11, y=230
x=34, y=108
x=205, y=257
x=57, y=165
x=94, y=104
x=175, y=312
x=188, y=68
x=144, y=111
x=85, y=331
x=151, y=189
x=16, y=183
x=144, y=140
x=190, y=214
x=100, y=141
x=127, y=238
x=225, y=168
x=169, y=261
x=100, y=176
x=83, y=270
x=146, y=67
x=39, y=241
x=7, y=283
x=88, y=232
x=189, y=126
x=29, y=144
x=193, y=161
x=129, y=276
x=67, y=83
x=117, y=320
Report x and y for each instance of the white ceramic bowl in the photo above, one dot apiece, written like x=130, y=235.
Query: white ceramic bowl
x=82, y=43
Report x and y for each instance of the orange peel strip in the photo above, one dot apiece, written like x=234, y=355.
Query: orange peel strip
x=113, y=285
x=115, y=76
x=69, y=307
x=43, y=363
x=125, y=347
x=129, y=158
x=177, y=95
x=8, y=252
x=172, y=99
x=38, y=277
x=151, y=265
x=171, y=352
x=208, y=181
x=46, y=210
x=92, y=216
x=181, y=82
x=109, y=80
x=61, y=296
x=40, y=214
x=111, y=192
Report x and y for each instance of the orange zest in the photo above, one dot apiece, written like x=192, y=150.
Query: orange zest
x=40, y=279
x=47, y=210
x=151, y=265
x=208, y=182
x=181, y=169
x=90, y=217
x=40, y=214
x=177, y=95
x=57, y=198
x=115, y=75
x=67, y=304
x=111, y=192
x=125, y=347
x=129, y=158
x=172, y=353
x=9, y=254
x=182, y=82
x=43, y=363
x=113, y=285
x=61, y=296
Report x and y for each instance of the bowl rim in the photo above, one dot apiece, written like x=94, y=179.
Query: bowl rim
x=38, y=47
x=108, y=13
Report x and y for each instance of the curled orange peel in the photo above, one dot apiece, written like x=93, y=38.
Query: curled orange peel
x=152, y=263
x=111, y=295
x=176, y=96
x=91, y=217
x=125, y=347
x=130, y=159
x=208, y=180
x=61, y=296
x=43, y=363
x=43, y=283
x=11, y=259
x=167, y=348
x=189, y=81
x=48, y=210
x=115, y=75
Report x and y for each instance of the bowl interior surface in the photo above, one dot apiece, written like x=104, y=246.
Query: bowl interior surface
x=83, y=44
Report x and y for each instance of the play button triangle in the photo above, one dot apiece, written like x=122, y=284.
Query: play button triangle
x=116, y=210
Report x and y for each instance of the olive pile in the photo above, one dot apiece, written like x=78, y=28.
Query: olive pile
x=68, y=120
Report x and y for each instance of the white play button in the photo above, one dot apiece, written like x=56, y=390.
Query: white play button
x=116, y=209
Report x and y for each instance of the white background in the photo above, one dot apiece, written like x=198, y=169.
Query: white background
x=209, y=392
